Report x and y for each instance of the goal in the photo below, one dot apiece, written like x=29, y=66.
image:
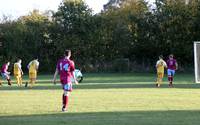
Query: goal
x=197, y=61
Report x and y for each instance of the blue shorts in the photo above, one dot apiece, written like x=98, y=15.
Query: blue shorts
x=170, y=72
x=5, y=75
x=67, y=87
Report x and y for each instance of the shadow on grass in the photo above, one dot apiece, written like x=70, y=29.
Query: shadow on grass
x=187, y=117
x=102, y=86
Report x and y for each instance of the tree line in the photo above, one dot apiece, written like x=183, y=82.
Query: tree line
x=128, y=33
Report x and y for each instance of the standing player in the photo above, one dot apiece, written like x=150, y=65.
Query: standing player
x=0, y=83
x=65, y=68
x=172, y=66
x=33, y=68
x=5, y=74
x=18, y=72
x=160, y=65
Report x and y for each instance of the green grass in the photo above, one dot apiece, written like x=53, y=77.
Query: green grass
x=104, y=99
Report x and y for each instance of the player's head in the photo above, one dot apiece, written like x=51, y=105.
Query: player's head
x=161, y=57
x=8, y=63
x=36, y=58
x=171, y=56
x=19, y=60
x=67, y=53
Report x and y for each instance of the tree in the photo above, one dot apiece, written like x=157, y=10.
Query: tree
x=73, y=25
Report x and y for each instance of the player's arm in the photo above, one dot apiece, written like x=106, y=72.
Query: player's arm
x=28, y=66
x=20, y=69
x=55, y=75
x=37, y=65
x=165, y=64
x=73, y=76
x=6, y=70
x=157, y=63
x=176, y=64
x=72, y=69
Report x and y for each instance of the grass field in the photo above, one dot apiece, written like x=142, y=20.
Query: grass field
x=104, y=99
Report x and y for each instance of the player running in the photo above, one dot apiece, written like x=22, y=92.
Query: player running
x=5, y=74
x=33, y=68
x=65, y=68
x=172, y=66
x=18, y=72
x=160, y=65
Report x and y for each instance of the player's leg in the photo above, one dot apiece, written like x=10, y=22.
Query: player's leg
x=65, y=99
x=20, y=80
x=160, y=79
x=0, y=82
x=169, y=76
x=17, y=79
x=157, y=79
x=34, y=75
x=31, y=82
x=67, y=89
x=31, y=78
x=172, y=77
x=7, y=77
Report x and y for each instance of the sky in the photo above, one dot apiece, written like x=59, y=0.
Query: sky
x=16, y=8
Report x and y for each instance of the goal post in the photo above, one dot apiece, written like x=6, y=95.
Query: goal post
x=197, y=61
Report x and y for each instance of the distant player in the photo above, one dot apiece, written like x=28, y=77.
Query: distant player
x=5, y=74
x=18, y=72
x=65, y=67
x=0, y=83
x=33, y=68
x=160, y=65
x=172, y=67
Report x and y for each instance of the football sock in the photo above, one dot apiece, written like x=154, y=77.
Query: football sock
x=66, y=104
x=65, y=101
x=9, y=83
x=26, y=84
x=169, y=78
x=20, y=81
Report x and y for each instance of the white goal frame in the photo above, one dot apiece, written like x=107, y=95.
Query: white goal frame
x=196, y=61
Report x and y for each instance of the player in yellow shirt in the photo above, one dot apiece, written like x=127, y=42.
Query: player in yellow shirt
x=18, y=72
x=160, y=65
x=33, y=68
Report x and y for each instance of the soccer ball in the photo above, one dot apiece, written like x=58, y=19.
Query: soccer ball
x=78, y=75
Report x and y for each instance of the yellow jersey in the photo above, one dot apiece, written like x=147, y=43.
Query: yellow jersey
x=160, y=65
x=17, y=68
x=33, y=66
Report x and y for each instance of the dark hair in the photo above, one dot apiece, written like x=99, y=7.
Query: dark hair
x=67, y=52
x=18, y=59
x=171, y=55
x=35, y=57
x=161, y=56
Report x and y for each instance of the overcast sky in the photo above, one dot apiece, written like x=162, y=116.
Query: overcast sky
x=16, y=8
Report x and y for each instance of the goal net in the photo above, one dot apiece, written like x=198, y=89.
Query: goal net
x=197, y=61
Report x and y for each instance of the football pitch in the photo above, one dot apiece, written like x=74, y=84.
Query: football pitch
x=104, y=99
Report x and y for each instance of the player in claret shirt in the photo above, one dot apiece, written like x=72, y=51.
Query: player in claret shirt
x=172, y=66
x=65, y=68
x=5, y=74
